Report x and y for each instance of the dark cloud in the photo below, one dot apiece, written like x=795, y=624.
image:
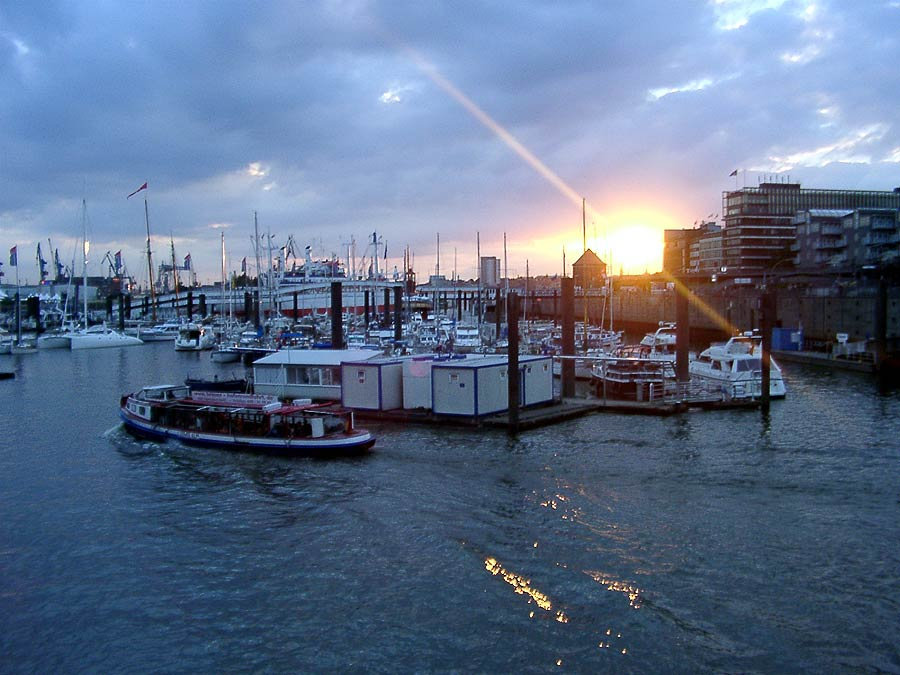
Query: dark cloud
x=656, y=101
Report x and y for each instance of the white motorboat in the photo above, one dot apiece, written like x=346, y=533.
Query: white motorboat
x=193, y=337
x=735, y=368
x=661, y=342
x=101, y=337
x=226, y=354
x=161, y=332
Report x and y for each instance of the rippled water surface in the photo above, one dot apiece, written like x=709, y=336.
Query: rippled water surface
x=708, y=541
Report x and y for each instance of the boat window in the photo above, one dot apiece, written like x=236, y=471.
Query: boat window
x=749, y=364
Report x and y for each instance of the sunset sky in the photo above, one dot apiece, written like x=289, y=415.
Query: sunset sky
x=336, y=119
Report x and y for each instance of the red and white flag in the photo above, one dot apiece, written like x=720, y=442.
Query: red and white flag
x=143, y=187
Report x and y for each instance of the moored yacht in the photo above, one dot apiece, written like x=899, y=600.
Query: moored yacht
x=99, y=337
x=735, y=368
x=193, y=337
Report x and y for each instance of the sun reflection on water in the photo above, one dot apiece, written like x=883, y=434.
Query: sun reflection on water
x=632, y=592
x=522, y=586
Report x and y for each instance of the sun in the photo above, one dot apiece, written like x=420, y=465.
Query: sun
x=632, y=241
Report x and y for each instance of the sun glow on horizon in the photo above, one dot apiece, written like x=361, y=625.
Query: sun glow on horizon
x=628, y=240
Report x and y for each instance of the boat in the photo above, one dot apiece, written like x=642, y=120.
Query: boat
x=241, y=422
x=662, y=341
x=161, y=332
x=215, y=384
x=100, y=337
x=193, y=337
x=632, y=373
x=226, y=354
x=23, y=347
x=735, y=368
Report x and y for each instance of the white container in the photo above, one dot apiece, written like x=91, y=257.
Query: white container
x=372, y=385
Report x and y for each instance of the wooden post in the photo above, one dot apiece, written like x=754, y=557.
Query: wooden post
x=567, y=369
x=682, y=333
x=366, y=309
x=202, y=302
x=766, y=321
x=512, y=363
x=386, y=317
x=398, y=315
x=337, y=316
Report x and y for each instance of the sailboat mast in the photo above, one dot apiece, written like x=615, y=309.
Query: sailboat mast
x=478, y=270
x=174, y=271
x=150, y=260
x=259, y=295
x=222, y=306
x=584, y=280
x=85, y=247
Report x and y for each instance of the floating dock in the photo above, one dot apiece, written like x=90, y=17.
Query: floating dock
x=556, y=412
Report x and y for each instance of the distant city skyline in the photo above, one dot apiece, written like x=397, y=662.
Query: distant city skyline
x=334, y=120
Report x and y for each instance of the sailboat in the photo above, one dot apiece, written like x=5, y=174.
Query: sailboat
x=100, y=336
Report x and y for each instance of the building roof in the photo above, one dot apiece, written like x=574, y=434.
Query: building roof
x=830, y=213
x=317, y=357
x=588, y=258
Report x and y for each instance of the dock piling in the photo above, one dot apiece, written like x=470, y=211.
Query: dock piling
x=682, y=332
x=398, y=318
x=766, y=321
x=567, y=367
x=512, y=364
x=337, y=316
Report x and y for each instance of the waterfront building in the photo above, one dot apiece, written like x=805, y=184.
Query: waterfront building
x=490, y=271
x=759, y=221
x=842, y=240
x=697, y=249
x=589, y=271
x=706, y=249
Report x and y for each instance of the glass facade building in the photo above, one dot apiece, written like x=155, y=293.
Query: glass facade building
x=760, y=226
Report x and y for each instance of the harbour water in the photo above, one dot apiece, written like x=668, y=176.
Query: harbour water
x=725, y=541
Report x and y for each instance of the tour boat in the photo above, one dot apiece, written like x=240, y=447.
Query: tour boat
x=241, y=422
x=735, y=368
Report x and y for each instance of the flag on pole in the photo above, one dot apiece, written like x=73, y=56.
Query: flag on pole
x=118, y=261
x=385, y=251
x=187, y=261
x=143, y=187
x=243, y=265
x=13, y=257
x=733, y=173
